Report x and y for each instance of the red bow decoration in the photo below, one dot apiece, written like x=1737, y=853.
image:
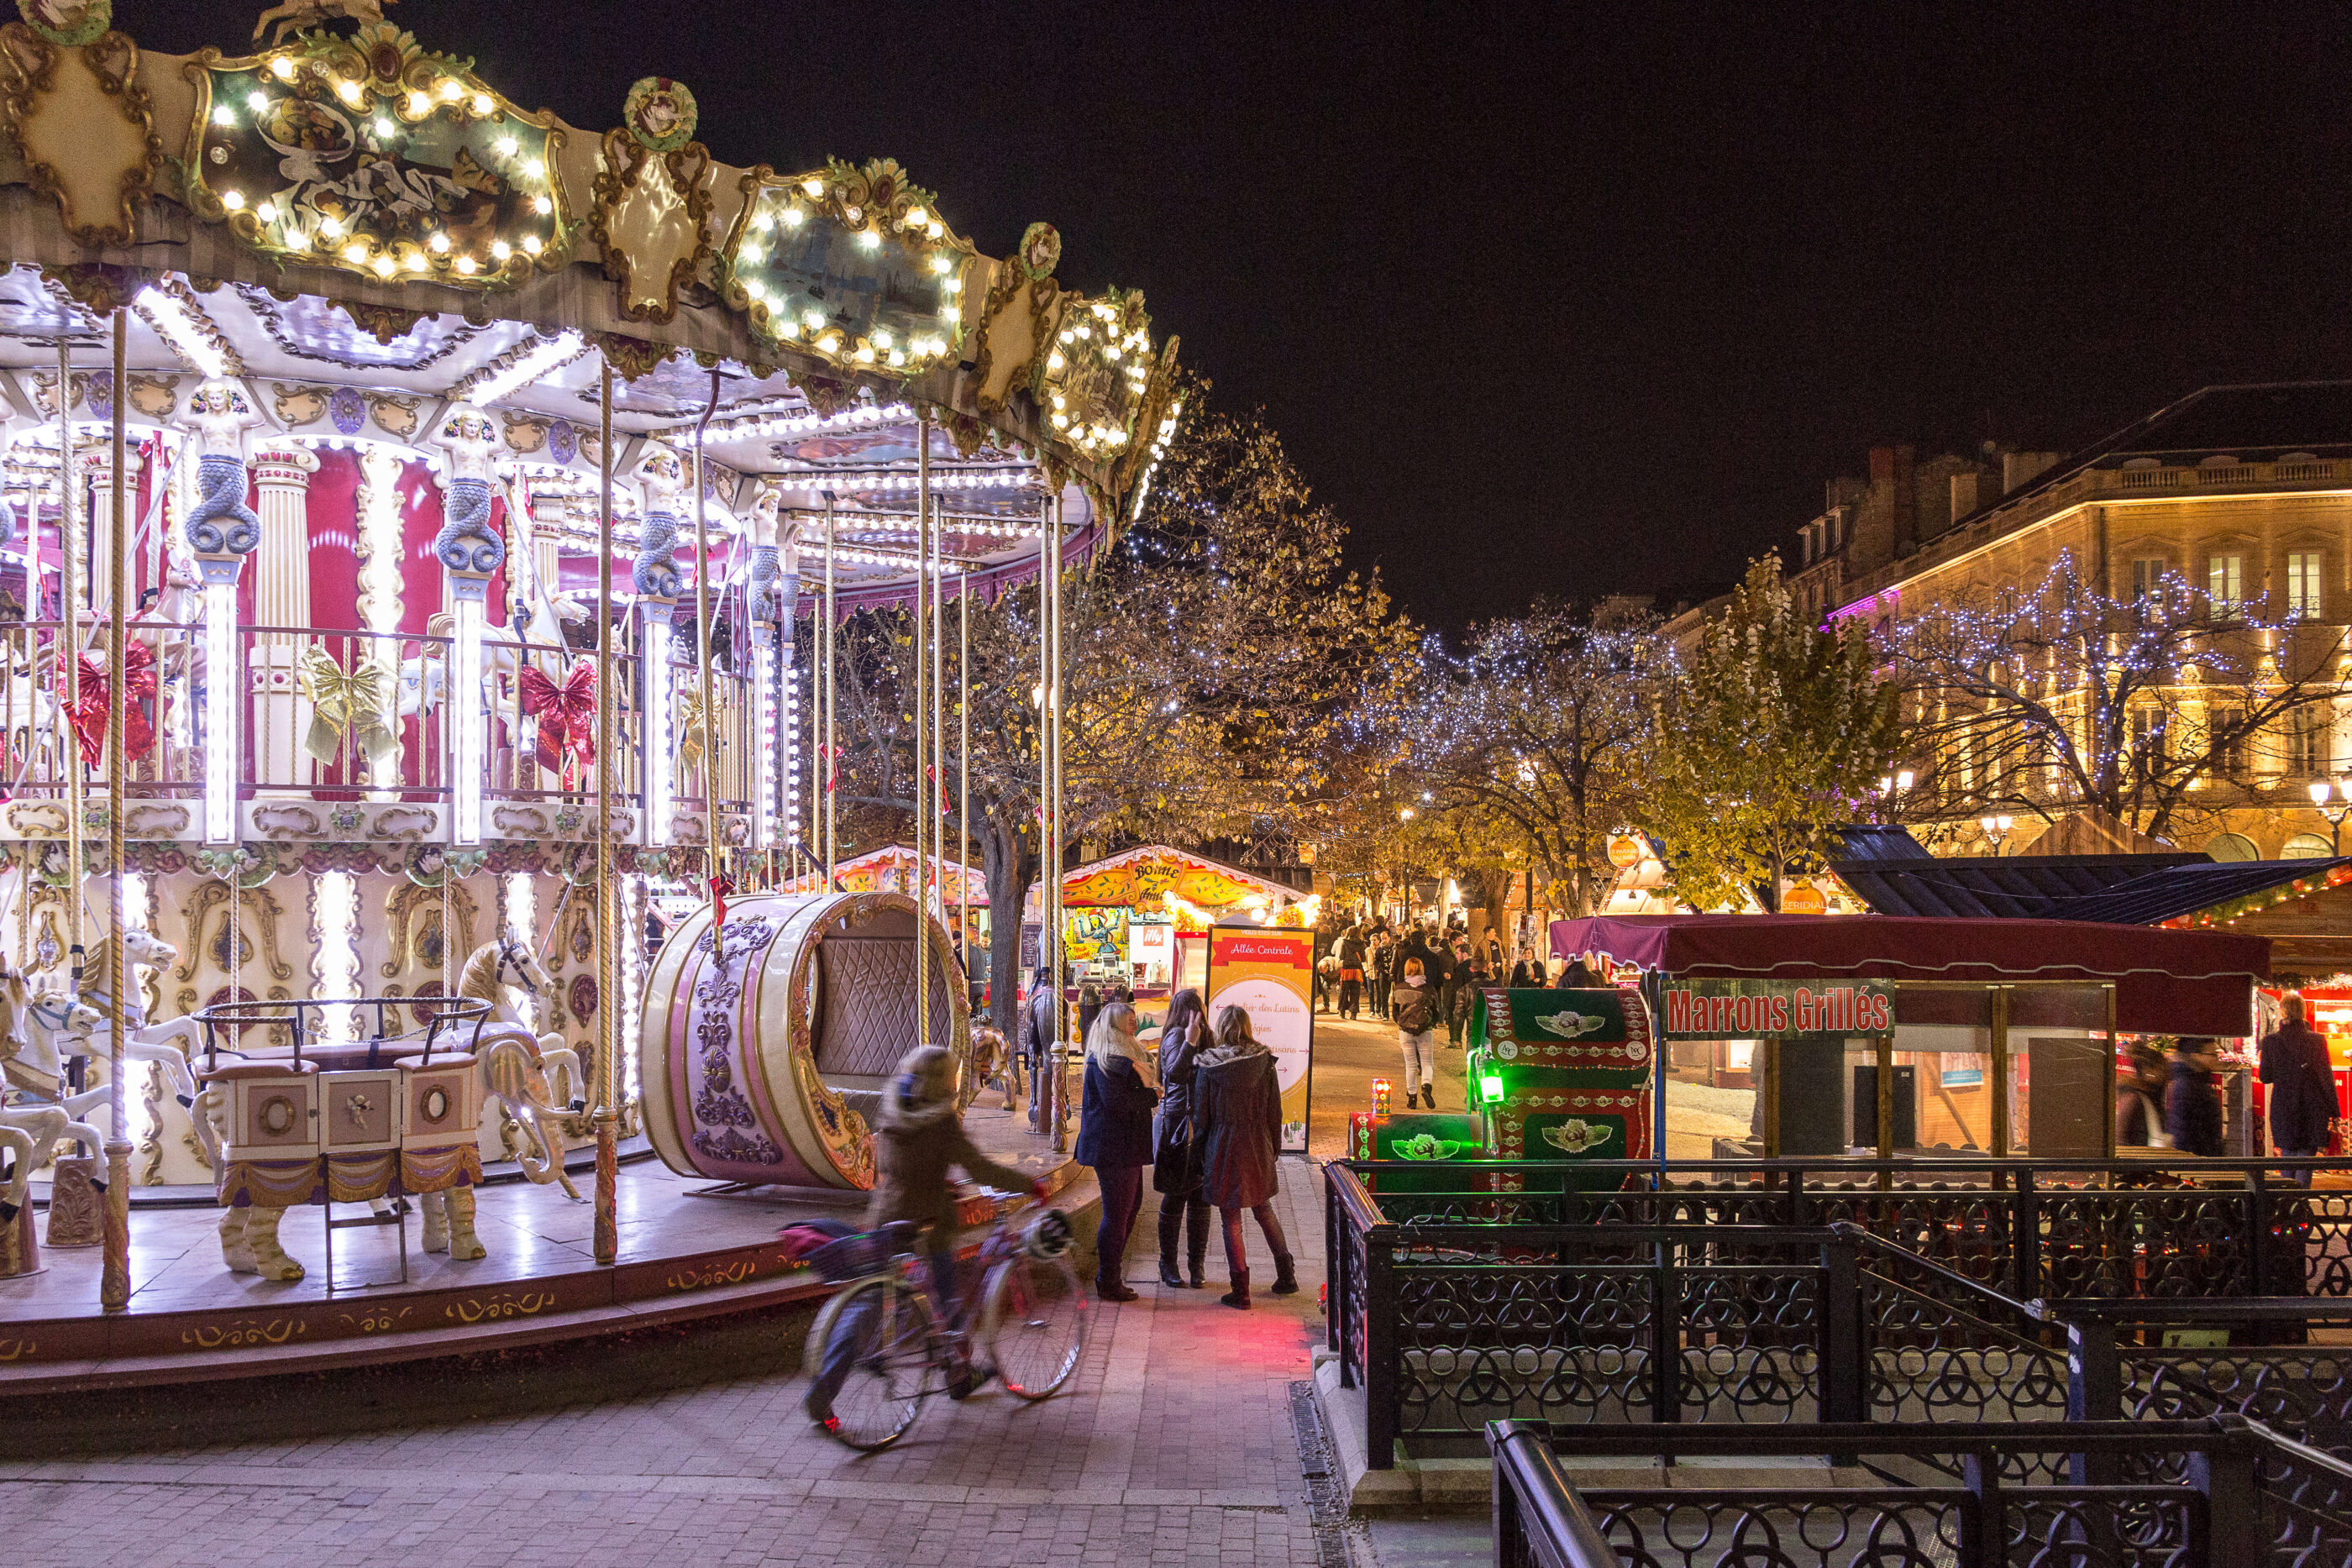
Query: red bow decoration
x=88, y=716
x=566, y=713
x=721, y=886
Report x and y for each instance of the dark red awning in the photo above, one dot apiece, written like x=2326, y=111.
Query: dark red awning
x=2167, y=982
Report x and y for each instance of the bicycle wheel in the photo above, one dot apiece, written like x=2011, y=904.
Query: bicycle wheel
x=1034, y=1321
x=885, y=1331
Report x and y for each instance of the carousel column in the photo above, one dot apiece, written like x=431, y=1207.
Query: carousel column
x=114, y=1280
x=281, y=596
x=98, y=474
x=221, y=531
x=469, y=551
x=606, y=1244
x=661, y=478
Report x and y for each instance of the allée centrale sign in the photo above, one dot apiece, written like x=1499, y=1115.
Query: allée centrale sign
x=1778, y=1009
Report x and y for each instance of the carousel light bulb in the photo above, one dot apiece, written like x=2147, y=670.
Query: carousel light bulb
x=415, y=262
x=232, y=199
x=942, y=264
x=450, y=91
x=790, y=329
x=882, y=340
x=256, y=101
x=482, y=104
x=501, y=249
x=439, y=243
x=331, y=227
x=951, y=313
x=795, y=217
x=223, y=115
x=468, y=265
x=419, y=105
x=917, y=217
x=508, y=146
x=535, y=170
x=531, y=243
x=382, y=126
x=383, y=266
x=267, y=211
x=763, y=223
x=898, y=356
x=869, y=239
x=936, y=229
x=355, y=252
x=542, y=205
x=814, y=187
x=349, y=91
x=282, y=68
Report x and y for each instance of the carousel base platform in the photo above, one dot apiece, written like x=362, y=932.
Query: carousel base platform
x=691, y=1254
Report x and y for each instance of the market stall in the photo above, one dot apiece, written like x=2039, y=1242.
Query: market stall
x=1142, y=917
x=1880, y=1035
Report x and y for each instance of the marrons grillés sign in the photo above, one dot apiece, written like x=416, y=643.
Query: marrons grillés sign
x=1777, y=1009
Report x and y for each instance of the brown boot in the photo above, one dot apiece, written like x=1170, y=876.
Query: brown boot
x=1239, y=1295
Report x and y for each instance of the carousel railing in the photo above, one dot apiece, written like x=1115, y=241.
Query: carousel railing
x=299, y=1026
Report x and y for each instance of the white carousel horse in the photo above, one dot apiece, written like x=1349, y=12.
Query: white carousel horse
x=519, y=1069
x=31, y=1026
x=21, y=1144
x=170, y=1044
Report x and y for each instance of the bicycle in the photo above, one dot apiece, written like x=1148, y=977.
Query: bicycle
x=1032, y=1328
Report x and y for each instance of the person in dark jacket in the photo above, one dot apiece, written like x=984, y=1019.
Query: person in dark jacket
x=1415, y=1011
x=2294, y=1062
x=2192, y=1108
x=1577, y=976
x=1175, y=1149
x=1352, y=953
x=920, y=1139
x=1237, y=1098
x=1378, y=973
x=1115, y=1136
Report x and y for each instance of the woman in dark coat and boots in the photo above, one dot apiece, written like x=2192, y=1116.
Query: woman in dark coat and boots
x=1175, y=1152
x=1238, y=1101
x=1115, y=1137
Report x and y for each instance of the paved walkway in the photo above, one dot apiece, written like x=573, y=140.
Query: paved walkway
x=1348, y=1057
x=1171, y=1448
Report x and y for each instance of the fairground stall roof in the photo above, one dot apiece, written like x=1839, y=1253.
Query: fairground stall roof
x=2189, y=982
x=359, y=230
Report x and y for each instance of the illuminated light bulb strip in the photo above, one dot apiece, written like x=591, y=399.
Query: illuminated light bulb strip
x=520, y=367
x=466, y=714
x=902, y=523
x=766, y=424
x=184, y=325
x=337, y=892
x=661, y=780
x=222, y=686
x=633, y=976
x=904, y=478
x=879, y=557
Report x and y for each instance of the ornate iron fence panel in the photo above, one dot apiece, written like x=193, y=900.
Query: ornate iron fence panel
x=1886, y=1528
x=1750, y=1347
x=2145, y=1241
x=1490, y=1341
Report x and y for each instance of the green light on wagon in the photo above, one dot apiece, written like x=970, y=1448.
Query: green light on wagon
x=1490, y=1086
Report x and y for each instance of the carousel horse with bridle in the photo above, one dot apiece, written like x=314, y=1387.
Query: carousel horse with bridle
x=39, y=1032
x=168, y=1045
x=520, y=1068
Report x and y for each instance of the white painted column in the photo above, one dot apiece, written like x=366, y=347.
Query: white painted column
x=281, y=596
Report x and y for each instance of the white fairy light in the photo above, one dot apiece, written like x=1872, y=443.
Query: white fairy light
x=164, y=311
x=551, y=354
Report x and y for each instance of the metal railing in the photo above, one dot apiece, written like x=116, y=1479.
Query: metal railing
x=1450, y=1309
x=2207, y=1500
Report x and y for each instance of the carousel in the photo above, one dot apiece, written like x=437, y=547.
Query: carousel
x=425, y=527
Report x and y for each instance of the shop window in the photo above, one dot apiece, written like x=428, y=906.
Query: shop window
x=2059, y=1071
x=2225, y=579
x=2303, y=582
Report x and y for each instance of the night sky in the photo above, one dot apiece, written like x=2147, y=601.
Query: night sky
x=1571, y=299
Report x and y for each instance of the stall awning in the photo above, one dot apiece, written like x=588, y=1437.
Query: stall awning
x=2167, y=982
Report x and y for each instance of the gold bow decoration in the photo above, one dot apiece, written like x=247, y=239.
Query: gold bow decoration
x=690, y=729
x=353, y=702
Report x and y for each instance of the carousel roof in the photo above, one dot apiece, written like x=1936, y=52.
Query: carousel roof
x=361, y=230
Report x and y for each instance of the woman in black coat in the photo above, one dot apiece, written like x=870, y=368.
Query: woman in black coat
x=1175, y=1152
x=1115, y=1137
x=2192, y=1109
x=1237, y=1099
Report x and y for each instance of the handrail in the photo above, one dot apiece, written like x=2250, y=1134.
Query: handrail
x=2300, y=1453
x=1539, y=1516
x=2211, y=1434
x=1847, y=1230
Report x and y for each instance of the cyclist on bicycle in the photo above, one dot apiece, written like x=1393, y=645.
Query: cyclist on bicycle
x=921, y=1138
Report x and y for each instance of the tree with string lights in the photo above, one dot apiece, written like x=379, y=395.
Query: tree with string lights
x=2161, y=708
x=1774, y=733
x=1215, y=657
x=1536, y=740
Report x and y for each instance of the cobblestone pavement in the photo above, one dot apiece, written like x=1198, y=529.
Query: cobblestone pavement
x=1171, y=1448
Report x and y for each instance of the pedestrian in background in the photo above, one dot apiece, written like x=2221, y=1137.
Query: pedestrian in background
x=1415, y=1011
x=1115, y=1136
x=1237, y=1097
x=1353, y=949
x=1461, y=993
x=1378, y=972
x=1175, y=1140
x=2301, y=1103
x=2192, y=1108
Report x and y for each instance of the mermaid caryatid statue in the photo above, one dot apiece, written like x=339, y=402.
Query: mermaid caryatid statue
x=220, y=523
x=661, y=477
x=467, y=542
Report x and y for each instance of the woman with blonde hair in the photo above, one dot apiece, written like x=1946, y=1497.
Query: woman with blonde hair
x=1115, y=1136
x=1237, y=1099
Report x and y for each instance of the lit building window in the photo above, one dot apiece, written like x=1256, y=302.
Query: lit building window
x=2303, y=582
x=2308, y=734
x=2147, y=577
x=2225, y=579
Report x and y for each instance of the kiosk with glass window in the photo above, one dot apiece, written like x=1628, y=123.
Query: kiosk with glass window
x=1879, y=1036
